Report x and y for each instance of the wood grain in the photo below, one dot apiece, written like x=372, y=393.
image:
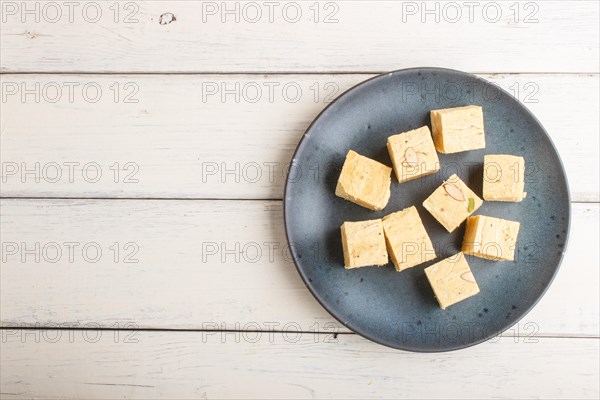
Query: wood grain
x=193, y=104
x=216, y=136
x=207, y=265
x=343, y=36
x=182, y=365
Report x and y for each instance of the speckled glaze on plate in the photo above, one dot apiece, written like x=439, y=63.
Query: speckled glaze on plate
x=398, y=309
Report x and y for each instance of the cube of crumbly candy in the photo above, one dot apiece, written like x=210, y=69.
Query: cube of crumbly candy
x=364, y=181
x=363, y=244
x=407, y=240
x=458, y=129
x=451, y=280
x=452, y=203
x=413, y=154
x=490, y=238
x=503, y=178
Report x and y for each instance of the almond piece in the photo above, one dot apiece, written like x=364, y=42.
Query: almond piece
x=410, y=157
x=454, y=191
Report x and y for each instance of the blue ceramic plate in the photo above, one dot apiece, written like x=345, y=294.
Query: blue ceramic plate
x=398, y=309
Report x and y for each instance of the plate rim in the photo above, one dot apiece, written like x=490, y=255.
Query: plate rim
x=367, y=335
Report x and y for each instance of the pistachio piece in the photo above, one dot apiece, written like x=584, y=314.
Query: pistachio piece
x=454, y=191
x=471, y=206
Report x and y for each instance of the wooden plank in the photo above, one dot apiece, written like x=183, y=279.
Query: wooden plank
x=230, y=137
x=206, y=265
x=299, y=36
x=182, y=365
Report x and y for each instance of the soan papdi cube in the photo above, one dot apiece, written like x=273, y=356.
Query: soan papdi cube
x=451, y=280
x=491, y=238
x=452, y=203
x=503, y=177
x=363, y=244
x=413, y=154
x=458, y=129
x=364, y=181
x=407, y=241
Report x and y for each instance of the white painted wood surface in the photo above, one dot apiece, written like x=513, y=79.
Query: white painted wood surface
x=175, y=119
x=211, y=365
x=232, y=137
x=553, y=36
x=187, y=277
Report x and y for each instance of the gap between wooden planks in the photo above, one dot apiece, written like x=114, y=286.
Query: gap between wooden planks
x=209, y=265
x=220, y=137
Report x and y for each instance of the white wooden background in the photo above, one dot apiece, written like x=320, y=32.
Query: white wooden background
x=191, y=125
